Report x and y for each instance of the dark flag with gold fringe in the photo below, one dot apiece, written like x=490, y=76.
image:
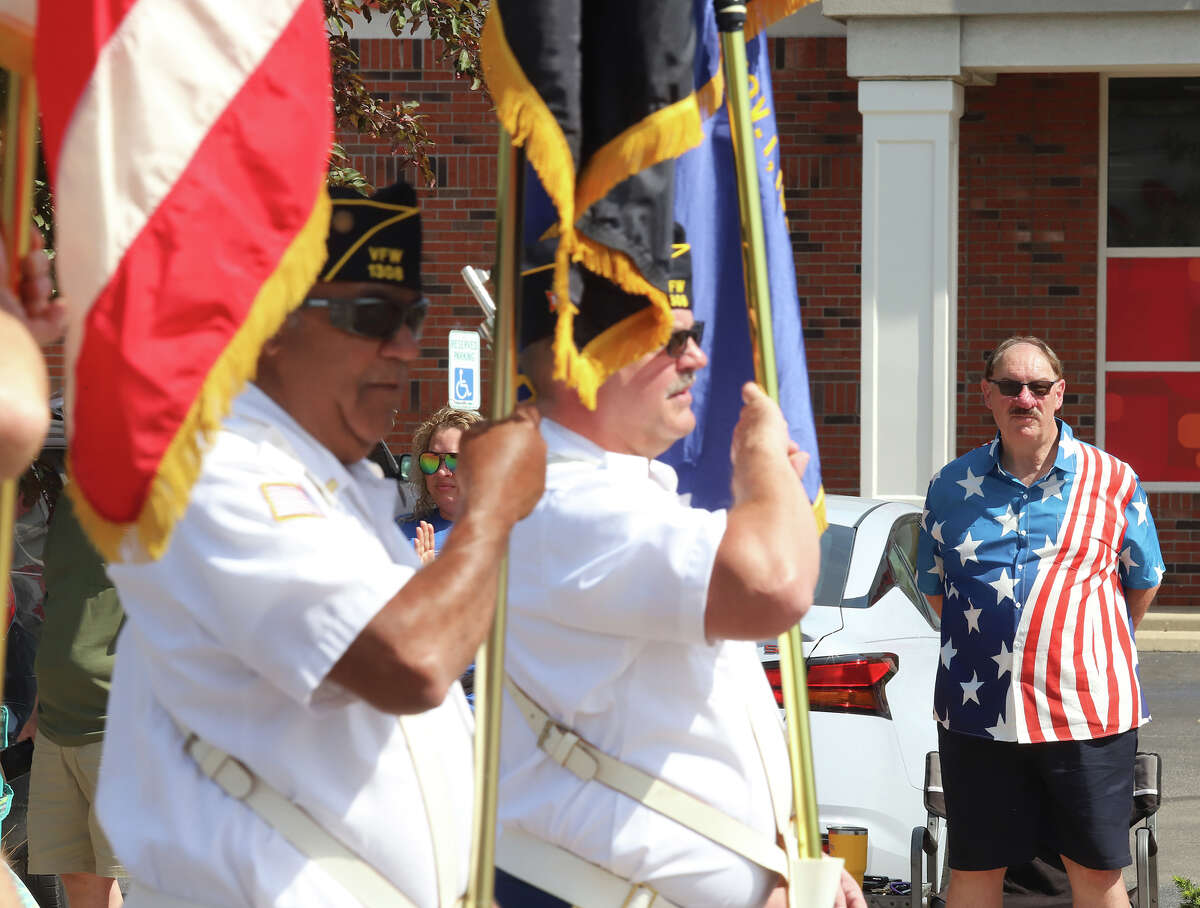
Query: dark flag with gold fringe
x=601, y=97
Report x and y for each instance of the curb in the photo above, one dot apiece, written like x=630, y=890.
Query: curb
x=1164, y=641
x=1172, y=620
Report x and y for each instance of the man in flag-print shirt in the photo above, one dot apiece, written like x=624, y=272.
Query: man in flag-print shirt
x=1040, y=554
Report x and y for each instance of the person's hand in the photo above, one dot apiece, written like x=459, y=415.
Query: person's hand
x=798, y=459
x=423, y=542
x=43, y=317
x=502, y=465
x=849, y=895
x=760, y=427
x=27, y=319
x=29, y=729
x=778, y=898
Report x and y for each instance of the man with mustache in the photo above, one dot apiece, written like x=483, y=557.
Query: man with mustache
x=269, y=652
x=632, y=621
x=1040, y=554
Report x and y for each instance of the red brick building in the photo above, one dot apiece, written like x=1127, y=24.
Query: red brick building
x=1029, y=253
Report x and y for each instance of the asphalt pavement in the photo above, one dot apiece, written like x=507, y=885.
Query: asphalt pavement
x=1172, y=686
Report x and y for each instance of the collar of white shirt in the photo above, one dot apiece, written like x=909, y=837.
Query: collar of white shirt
x=255, y=414
x=564, y=445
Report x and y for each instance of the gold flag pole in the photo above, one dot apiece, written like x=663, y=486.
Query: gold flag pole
x=731, y=19
x=20, y=135
x=489, y=663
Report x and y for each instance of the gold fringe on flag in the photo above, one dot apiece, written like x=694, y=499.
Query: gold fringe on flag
x=527, y=119
x=170, y=490
x=762, y=13
x=711, y=95
x=818, y=507
x=664, y=134
x=525, y=116
x=643, y=332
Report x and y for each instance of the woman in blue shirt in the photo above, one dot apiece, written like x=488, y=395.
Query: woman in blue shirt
x=435, y=453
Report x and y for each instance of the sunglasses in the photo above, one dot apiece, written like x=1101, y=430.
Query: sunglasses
x=430, y=462
x=679, y=339
x=1010, y=387
x=373, y=317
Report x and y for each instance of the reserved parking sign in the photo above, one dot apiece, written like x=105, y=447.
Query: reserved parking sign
x=463, y=368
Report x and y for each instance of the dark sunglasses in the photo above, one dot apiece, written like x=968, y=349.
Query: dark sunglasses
x=679, y=339
x=1010, y=387
x=372, y=316
x=430, y=462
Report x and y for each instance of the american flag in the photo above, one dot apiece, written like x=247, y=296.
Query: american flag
x=1037, y=643
x=187, y=143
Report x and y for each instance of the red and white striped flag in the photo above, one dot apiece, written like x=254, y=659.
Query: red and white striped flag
x=187, y=142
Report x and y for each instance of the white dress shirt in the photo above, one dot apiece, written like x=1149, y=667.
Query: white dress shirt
x=281, y=559
x=607, y=592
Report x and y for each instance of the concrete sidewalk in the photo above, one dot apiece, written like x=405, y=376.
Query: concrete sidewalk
x=1169, y=630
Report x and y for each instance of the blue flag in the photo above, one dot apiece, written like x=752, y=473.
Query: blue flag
x=706, y=204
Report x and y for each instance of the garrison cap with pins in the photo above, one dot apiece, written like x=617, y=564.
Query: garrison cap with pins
x=375, y=239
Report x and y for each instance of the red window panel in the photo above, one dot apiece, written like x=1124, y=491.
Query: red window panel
x=1153, y=310
x=1152, y=421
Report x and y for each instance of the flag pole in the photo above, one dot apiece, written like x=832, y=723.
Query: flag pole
x=489, y=667
x=731, y=20
x=20, y=136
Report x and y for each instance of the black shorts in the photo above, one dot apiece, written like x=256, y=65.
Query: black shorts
x=512, y=892
x=1008, y=802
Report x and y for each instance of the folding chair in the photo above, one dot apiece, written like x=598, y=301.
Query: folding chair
x=1147, y=797
x=929, y=839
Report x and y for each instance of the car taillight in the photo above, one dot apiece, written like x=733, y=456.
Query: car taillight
x=844, y=684
x=776, y=682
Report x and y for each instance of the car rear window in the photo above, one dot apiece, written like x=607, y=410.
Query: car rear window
x=837, y=542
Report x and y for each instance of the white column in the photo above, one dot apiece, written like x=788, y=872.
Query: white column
x=909, y=283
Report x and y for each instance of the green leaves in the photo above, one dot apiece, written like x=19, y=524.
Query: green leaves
x=1189, y=892
x=455, y=24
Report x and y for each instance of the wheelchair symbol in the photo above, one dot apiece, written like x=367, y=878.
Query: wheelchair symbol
x=464, y=384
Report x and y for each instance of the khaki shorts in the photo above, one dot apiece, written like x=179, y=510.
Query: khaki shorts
x=64, y=834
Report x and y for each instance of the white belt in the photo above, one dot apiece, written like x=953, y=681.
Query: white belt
x=354, y=874
x=568, y=876
x=588, y=762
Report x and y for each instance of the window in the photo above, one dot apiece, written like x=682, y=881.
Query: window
x=898, y=568
x=837, y=544
x=1149, y=357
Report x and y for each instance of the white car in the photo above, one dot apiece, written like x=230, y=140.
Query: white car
x=871, y=643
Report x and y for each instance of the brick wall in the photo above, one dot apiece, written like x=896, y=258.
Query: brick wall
x=458, y=217
x=1177, y=516
x=820, y=136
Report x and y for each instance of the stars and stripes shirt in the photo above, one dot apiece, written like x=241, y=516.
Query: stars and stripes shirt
x=1037, y=642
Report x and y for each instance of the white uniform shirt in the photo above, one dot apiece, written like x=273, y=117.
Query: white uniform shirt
x=608, y=585
x=282, y=558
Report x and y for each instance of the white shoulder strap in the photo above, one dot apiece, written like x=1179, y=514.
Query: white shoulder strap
x=358, y=877
x=569, y=877
x=587, y=762
x=781, y=802
x=419, y=734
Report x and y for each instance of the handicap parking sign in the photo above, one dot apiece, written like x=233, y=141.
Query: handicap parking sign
x=463, y=369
